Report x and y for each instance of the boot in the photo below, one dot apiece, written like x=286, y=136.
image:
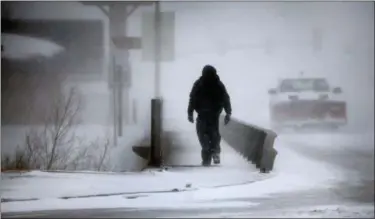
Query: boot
x=206, y=158
x=216, y=158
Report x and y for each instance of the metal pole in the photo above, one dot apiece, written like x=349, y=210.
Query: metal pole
x=124, y=97
x=114, y=87
x=120, y=100
x=117, y=19
x=155, y=151
x=157, y=49
x=126, y=91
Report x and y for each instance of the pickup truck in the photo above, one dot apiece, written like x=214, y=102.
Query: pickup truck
x=306, y=102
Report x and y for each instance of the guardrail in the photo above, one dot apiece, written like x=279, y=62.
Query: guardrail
x=256, y=144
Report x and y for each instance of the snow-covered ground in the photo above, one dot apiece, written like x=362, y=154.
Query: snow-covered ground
x=183, y=187
x=333, y=141
x=44, y=185
x=207, y=187
x=151, y=189
x=328, y=211
x=119, y=158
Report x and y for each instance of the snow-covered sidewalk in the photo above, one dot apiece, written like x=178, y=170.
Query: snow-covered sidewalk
x=189, y=175
x=43, y=185
x=42, y=190
x=194, y=186
x=197, y=196
x=39, y=190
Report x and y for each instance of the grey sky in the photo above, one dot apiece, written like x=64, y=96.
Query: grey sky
x=347, y=58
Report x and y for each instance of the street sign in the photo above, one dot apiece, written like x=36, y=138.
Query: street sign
x=127, y=42
x=167, y=32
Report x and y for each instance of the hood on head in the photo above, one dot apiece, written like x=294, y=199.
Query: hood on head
x=209, y=73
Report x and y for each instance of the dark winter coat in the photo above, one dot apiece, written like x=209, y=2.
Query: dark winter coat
x=209, y=95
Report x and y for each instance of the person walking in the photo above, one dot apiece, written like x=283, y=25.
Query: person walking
x=208, y=97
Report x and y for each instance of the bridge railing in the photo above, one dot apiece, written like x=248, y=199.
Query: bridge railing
x=255, y=143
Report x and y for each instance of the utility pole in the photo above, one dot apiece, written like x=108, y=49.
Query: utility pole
x=156, y=114
x=114, y=100
x=157, y=49
x=120, y=74
x=118, y=18
x=118, y=90
x=118, y=14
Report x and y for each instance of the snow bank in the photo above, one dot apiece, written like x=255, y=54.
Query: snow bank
x=42, y=185
x=360, y=141
x=121, y=157
x=289, y=161
x=279, y=184
x=200, y=186
x=330, y=211
x=47, y=187
x=151, y=202
x=192, y=179
x=292, y=173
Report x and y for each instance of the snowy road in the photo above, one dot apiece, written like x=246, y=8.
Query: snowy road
x=274, y=203
x=326, y=178
x=319, y=211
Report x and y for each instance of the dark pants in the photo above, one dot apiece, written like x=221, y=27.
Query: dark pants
x=208, y=135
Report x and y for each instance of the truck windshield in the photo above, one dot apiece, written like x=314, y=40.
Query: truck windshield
x=304, y=84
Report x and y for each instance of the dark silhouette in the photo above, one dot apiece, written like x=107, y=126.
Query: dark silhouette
x=208, y=98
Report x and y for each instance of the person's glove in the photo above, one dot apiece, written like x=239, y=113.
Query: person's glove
x=191, y=118
x=226, y=119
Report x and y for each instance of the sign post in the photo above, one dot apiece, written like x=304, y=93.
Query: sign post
x=118, y=12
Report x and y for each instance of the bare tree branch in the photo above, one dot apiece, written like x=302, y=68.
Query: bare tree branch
x=104, y=154
x=53, y=114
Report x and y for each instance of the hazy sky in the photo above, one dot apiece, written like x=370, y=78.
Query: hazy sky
x=244, y=28
x=252, y=45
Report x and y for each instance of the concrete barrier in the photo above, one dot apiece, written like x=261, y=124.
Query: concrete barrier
x=256, y=144
x=167, y=156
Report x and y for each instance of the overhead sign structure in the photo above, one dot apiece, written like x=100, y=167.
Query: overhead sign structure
x=167, y=36
x=128, y=43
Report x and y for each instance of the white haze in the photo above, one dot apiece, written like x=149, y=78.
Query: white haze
x=347, y=57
